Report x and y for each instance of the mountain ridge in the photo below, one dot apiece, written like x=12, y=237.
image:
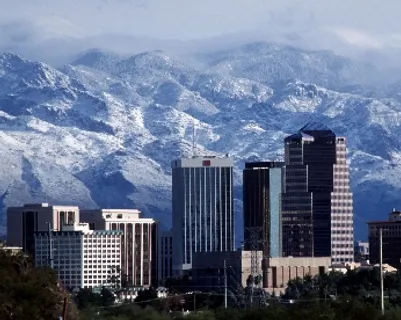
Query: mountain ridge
x=103, y=130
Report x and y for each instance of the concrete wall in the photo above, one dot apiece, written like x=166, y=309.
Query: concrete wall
x=279, y=270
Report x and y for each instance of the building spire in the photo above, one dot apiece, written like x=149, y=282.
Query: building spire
x=193, y=139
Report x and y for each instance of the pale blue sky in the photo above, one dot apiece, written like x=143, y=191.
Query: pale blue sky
x=186, y=19
x=33, y=26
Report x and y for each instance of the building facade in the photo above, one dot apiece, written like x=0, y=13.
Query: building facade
x=165, y=255
x=208, y=270
x=391, y=234
x=23, y=222
x=361, y=251
x=262, y=188
x=82, y=258
x=317, y=203
x=203, y=214
x=139, y=242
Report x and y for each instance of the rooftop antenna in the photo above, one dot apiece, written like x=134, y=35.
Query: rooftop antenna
x=193, y=139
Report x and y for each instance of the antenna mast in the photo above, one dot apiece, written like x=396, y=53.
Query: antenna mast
x=193, y=138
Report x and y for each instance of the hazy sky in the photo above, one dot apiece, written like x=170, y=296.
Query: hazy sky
x=363, y=23
x=186, y=19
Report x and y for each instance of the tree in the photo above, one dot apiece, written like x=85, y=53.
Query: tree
x=27, y=292
x=87, y=298
x=107, y=297
x=179, y=284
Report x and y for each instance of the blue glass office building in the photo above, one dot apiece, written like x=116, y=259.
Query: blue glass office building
x=262, y=183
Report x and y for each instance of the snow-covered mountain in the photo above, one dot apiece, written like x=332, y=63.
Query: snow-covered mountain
x=101, y=132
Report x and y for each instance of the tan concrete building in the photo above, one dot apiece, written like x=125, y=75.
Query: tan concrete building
x=209, y=266
x=23, y=222
x=139, y=242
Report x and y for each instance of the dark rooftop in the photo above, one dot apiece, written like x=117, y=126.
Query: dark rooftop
x=264, y=164
x=314, y=130
x=315, y=126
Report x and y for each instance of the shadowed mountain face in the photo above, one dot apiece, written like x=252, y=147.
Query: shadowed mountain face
x=102, y=131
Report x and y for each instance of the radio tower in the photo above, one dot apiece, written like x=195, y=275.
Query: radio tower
x=255, y=292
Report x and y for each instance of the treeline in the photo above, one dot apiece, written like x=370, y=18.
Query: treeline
x=354, y=295
x=343, y=309
x=35, y=294
x=363, y=285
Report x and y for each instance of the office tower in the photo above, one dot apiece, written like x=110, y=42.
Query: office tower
x=317, y=205
x=23, y=222
x=165, y=255
x=82, y=258
x=391, y=234
x=203, y=214
x=262, y=188
x=139, y=242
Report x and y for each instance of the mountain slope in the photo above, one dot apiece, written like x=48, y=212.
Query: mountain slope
x=103, y=130
x=274, y=65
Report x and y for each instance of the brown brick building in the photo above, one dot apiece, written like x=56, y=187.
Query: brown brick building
x=391, y=240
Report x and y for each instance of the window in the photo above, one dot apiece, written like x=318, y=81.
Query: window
x=71, y=217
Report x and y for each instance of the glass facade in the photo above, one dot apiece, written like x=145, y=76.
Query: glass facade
x=316, y=196
x=262, y=182
x=203, y=212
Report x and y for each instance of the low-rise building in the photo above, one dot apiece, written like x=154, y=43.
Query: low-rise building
x=82, y=258
x=11, y=250
x=362, y=251
x=358, y=266
x=208, y=269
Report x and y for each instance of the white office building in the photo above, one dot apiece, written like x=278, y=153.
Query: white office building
x=83, y=258
x=139, y=242
x=203, y=214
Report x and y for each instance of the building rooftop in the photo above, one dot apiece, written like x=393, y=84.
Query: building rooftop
x=315, y=126
x=383, y=221
x=264, y=164
x=300, y=135
x=311, y=131
x=36, y=205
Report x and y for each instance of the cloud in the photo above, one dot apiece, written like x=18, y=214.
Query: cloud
x=55, y=30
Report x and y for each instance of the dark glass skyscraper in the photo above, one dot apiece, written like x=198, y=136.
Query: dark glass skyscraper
x=262, y=187
x=317, y=206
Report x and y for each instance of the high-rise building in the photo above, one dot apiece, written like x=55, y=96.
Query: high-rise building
x=262, y=188
x=165, y=255
x=391, y=244
x=82, y=258
x=203, y=213
x=317, y=204
x=23, y=222
x=139, y=242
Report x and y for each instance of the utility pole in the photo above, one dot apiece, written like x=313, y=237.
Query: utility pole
x=225, y=284
x=381, y=270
